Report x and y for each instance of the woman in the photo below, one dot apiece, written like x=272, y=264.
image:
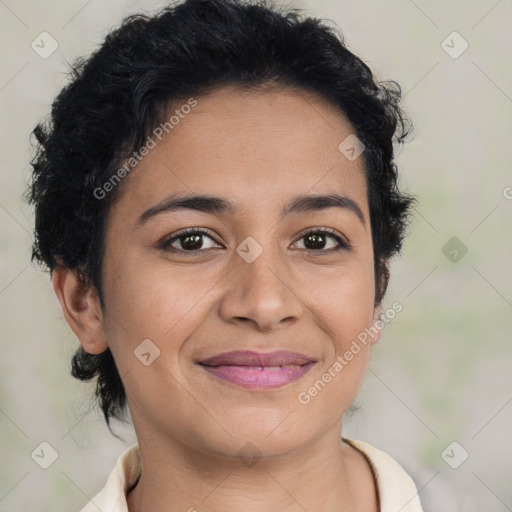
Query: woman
x=217, y=203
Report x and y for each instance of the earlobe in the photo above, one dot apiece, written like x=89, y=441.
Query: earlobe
x=376, y=324
x=376, y=313
x=382, y=285
x=81, y=308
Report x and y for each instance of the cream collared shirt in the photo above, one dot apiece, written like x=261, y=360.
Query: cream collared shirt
x=397, y=490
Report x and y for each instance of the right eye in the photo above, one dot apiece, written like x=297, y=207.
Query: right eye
x=188, y=240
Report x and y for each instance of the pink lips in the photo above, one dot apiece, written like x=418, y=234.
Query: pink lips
x=258, y=370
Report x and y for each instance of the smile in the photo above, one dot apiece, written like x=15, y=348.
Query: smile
x=257, y=370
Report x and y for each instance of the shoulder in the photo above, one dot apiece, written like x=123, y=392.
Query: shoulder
x=397, y=490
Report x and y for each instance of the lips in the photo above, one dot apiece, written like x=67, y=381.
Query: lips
x=249, y=358
x=255, y=370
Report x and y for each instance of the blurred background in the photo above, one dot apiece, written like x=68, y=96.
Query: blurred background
x=438, y=391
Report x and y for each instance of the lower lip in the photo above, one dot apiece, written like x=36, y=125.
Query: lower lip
x=257, y=377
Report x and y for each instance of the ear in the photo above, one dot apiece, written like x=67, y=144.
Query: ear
x=82, y=309
x=376, y=325
x=382, y=285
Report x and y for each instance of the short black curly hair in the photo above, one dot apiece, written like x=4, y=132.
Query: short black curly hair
x=116, y=96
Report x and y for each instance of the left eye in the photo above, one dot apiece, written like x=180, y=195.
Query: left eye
x=316, y=238
x=191, y=241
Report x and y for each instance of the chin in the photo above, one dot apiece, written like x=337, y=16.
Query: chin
x=270, y=439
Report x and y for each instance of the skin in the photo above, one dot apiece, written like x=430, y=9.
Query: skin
x=258, y=149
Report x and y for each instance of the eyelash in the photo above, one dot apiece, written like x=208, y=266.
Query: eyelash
x=342, y=244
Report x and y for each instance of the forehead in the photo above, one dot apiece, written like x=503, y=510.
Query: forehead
x=257, y=147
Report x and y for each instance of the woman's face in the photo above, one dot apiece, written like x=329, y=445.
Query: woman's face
x=255, y=282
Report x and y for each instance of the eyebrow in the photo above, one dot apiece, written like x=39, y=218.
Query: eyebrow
x=219, y=205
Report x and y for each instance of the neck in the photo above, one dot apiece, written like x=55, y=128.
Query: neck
x=327, y=475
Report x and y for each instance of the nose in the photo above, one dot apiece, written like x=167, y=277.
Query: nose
x=261, y=293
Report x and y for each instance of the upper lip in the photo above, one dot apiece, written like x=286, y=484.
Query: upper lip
x=250, y=358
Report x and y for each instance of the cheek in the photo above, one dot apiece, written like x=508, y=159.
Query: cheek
x=155, y=302
x=343, y=307
x=343, y=301
x=151, y=303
